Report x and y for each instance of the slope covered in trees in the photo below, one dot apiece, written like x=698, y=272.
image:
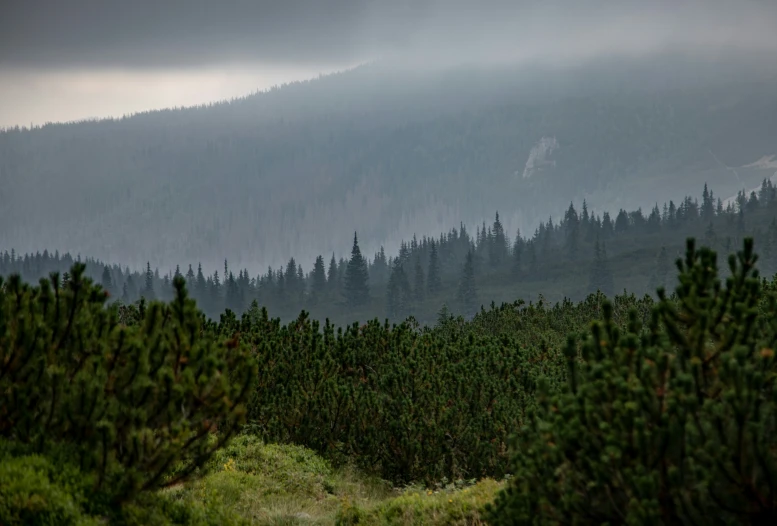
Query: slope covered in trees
x=571, y=257
x=661, y=411
x=380, y=150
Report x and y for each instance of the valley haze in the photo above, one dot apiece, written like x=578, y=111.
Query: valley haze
x=429, y=113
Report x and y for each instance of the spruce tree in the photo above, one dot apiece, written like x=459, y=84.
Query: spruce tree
x=517, y=267
x=497, y=243
x=419, y=288
x=398, y=293
x=467, y=294
x=318, y=279
x=356, y=283
x=332, y=278
x=433, y=278
x=148, y=288
x=106, y=281
x=601, y=278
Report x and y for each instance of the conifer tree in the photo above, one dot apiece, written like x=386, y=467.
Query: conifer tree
x=672, y=424
x=148, y=289
x=497, y=241
x=601, y=276
x=201, y=286
x=356, y=286
x=190, y=283
x=106, y=280
x=332, y=278
x=517, y=267
x=572, y=223
x=419, y=287
x=398, y=293
x=434, y=280
x=318, y=279
x=134, y=406
x=467, y=294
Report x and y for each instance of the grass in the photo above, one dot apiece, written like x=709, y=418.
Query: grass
x=268, y=484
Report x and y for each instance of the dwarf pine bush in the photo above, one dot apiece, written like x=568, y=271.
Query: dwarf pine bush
x=127, y=402
x=675, y=423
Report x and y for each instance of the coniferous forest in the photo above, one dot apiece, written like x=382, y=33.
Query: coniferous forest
x=461, y=269
x=356, y=263
x=128, y=395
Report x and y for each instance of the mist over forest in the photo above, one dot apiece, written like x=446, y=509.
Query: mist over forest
x=389, y=152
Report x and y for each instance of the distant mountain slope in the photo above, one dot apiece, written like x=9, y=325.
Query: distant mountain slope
x=386, y=152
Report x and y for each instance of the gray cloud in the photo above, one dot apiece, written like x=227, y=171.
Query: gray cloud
x=194, y=33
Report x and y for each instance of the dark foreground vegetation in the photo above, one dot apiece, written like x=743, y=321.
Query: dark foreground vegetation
x=622, y=411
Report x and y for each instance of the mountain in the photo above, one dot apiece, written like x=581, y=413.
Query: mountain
x=386, y=150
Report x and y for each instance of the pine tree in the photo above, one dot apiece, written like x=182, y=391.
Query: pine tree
x=201, y=286
x=572, y=223
x=148, y=289
x=332, y=277
x=190, y=283
x=398, y=293
x=356, y=283
x=518, y=255
x=419, y=283
x=467, y=294
x=107, y=282
x=497, y=241
x=669, y=424
x=126, y=403
x=434, y=280
x=601, y=276
x=318, y=279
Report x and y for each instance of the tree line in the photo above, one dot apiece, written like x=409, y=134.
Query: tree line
x=579, y=254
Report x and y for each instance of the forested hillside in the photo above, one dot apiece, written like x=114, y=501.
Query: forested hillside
x=627, y=409
x=385, y=151
x=461, y=269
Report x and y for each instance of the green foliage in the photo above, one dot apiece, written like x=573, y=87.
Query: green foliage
x=127, y=400
x=33, y=491
x=406, y=403
x=672, y=424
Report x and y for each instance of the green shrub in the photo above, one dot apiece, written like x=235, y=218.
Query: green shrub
x=33, y=491
x=676, y=424
x=130, y=402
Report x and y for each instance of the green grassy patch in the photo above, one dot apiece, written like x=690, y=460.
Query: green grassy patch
x=270, y=484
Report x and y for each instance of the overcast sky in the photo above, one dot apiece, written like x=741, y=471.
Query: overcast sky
x=64, y=60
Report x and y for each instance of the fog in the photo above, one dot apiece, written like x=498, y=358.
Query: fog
x=64, y=61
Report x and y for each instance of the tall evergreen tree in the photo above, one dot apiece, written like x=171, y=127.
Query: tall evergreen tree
x=419, y=285
x=517, y=267
x=497, y=249
x=318, y=279
x=434, y=280
x=572, y=224
x=148, y=289
x=601, y=275
x=332, y=278
x=398, y=293
x=467, y=291
x=106, y=281
x=356, y=283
